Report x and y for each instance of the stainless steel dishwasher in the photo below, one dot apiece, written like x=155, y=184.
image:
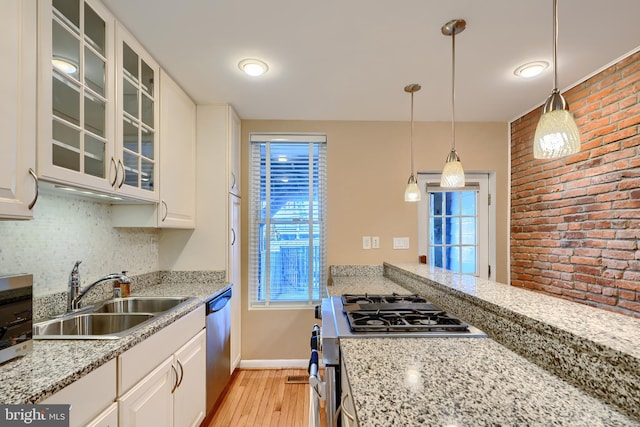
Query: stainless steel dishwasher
x=218, y=346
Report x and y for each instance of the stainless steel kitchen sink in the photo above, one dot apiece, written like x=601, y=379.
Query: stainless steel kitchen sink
x=90, y=326
x=139, y=305
x=111, y=319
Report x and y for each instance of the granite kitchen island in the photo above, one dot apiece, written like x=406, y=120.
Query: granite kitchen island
x=460, y=381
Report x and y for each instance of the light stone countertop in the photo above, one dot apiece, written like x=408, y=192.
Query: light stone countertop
x=420, y=382
x=467, y=382
x=54, y=364
x=613, y=330
x=379, y=285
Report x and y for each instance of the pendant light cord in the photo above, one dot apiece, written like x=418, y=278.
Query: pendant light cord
x=412, y=133
x=555, y=44
x=453, y=89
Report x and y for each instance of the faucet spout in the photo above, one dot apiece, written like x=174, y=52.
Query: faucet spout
x=76, y=292
x=74, y=284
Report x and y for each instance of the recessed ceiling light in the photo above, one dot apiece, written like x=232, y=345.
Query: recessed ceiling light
x=253, y=67
x=64, y=65
x=531, y=69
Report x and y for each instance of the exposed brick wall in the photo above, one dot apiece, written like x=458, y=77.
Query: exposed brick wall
x=575, y=221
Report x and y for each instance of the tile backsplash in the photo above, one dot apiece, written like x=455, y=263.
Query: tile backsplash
x=65, y=230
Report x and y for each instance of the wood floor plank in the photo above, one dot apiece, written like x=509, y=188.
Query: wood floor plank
x=262, y=398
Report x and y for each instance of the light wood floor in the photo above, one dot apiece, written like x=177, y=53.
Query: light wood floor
x=263, y=398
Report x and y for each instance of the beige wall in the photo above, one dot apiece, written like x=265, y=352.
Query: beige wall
x=368, y=167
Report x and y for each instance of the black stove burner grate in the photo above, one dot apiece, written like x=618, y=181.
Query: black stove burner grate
x=397, y=313
x=382, y=299
x=404, y=321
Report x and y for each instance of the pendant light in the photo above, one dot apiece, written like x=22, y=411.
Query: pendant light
x=453, y=173
x=412, y=192
x=557, y=134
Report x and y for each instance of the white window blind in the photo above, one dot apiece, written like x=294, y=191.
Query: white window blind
x=287, y=219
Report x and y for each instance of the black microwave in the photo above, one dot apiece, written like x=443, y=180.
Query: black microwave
x=16, y=314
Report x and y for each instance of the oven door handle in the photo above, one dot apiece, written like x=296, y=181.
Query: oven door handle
x=316, y=390
x=315, y=337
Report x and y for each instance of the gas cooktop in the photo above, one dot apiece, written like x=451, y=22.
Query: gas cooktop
x=397, y=313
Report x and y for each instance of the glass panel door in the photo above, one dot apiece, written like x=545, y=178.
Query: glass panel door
x=78, y=88
x=453, y=226
x=138, y=117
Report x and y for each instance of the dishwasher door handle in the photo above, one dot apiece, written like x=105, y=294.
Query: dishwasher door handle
x=219, y=302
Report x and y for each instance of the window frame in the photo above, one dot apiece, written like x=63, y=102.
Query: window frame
x=257, y=220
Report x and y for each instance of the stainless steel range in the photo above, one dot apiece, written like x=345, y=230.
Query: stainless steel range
x=371, y=316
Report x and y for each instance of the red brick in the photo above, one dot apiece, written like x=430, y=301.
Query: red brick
x=622, y=244
x=630, y=305
x=627, y=204
x=602, y=299
x=627, y=184
x=628, y=295
x=617, y=254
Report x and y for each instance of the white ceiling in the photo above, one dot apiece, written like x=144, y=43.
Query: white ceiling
x=350, y=59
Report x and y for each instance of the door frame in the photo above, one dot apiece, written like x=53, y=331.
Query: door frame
x=487, y=180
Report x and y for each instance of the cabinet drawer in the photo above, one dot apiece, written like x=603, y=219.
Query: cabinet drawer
x=88, y=396
x=135, y=363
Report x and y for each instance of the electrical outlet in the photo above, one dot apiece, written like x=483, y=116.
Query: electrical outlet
x=400, y=243
x=366, y=242
x=375, y=242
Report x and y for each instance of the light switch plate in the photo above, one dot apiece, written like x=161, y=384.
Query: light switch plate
x=366, y=242
x=400, y=243
x=375, y=242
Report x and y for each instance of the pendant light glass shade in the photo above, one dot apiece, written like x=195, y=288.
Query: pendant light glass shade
x=453, y=172
x=412, y=191
x=557, y=134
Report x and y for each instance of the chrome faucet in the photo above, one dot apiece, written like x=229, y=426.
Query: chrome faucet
x=76, y=292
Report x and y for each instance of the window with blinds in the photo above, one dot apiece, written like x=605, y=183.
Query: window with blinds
x=287, y=219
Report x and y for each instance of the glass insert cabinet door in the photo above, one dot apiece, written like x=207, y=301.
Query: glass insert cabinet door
x=137, y=122
x=76, y=98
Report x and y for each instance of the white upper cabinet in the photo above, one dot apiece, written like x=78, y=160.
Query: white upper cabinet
x=233, y=151
x=76, y=95
x=178, y=156
x=97, y=102
x=177, y=207
x=18, y=186
x=137, y=117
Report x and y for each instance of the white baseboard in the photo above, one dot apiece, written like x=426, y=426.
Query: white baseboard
x=274, y=364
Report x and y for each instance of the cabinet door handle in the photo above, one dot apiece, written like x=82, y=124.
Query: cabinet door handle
x=35, y=198
x=175, y=371
x=181, y=373
x=115, y=167
x=233, y=180
x=233, y=241
x=166, y=210
x=351, y=418
x=124, y=173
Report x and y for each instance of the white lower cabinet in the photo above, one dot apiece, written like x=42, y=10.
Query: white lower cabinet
x=348, y=410
x=189, y=397
x=150, y=402
x=89, y=397
x=162, y=380
x=173, y=394
x=108, y=418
